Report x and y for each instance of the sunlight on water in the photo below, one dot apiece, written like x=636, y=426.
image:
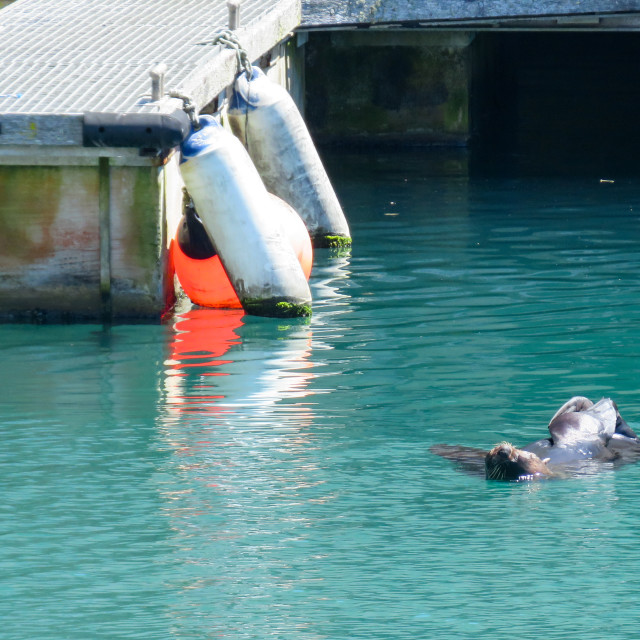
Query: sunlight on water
x=225, y=476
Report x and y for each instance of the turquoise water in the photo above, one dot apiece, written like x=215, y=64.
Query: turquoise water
x=232, y=477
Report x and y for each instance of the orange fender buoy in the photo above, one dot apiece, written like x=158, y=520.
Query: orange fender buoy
x=297, y=234
x=199, y=268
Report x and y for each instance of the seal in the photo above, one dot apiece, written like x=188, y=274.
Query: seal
x=581, y=434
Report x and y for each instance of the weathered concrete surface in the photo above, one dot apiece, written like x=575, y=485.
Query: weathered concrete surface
x=391, y=87
x=335, y=12
x=50, y=246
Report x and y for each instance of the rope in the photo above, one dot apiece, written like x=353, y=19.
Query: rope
x=189, y=106
x=227, y=39
x=230, y=40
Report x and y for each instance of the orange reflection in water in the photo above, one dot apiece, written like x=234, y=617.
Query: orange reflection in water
x=201, y=338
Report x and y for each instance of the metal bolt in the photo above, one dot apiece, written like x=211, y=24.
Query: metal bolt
x=234, y=14
x=157, y=74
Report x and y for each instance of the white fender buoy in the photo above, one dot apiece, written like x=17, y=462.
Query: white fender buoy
x=265, y=118
x=238, y=214
x=199, y=269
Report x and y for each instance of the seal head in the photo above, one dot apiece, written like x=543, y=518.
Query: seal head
x=506, y=462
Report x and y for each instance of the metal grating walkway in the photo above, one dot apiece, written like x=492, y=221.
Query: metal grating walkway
x=76, y=56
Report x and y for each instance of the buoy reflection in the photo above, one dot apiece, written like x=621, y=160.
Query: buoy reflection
x=202, y=337
x=218, y=364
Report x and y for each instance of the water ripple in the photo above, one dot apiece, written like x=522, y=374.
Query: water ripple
x=234, y=477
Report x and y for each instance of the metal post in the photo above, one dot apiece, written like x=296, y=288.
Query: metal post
x=157, y=74
x=104, y=207
x=234, y=14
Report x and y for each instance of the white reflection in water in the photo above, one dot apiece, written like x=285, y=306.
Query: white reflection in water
x=245, y=464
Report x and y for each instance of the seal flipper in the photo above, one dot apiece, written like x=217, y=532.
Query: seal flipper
x=624, y=442
x=622, y=427
x=571, y=425
x=467, y=458
x=575, y=404
x=582, y=434
x=605, y=411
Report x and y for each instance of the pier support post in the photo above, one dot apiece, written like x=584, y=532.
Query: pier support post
x=104, y=206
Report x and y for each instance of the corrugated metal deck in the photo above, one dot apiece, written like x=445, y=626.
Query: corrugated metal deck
x=65, y=57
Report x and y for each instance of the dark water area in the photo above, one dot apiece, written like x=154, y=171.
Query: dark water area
x=224, y=476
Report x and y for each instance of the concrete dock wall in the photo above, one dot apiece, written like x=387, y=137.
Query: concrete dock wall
x=50, y=248
x=374, y=87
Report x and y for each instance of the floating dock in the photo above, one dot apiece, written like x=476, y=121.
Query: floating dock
x=89, y=184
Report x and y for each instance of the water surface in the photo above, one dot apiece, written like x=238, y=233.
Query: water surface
x=231, y=477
